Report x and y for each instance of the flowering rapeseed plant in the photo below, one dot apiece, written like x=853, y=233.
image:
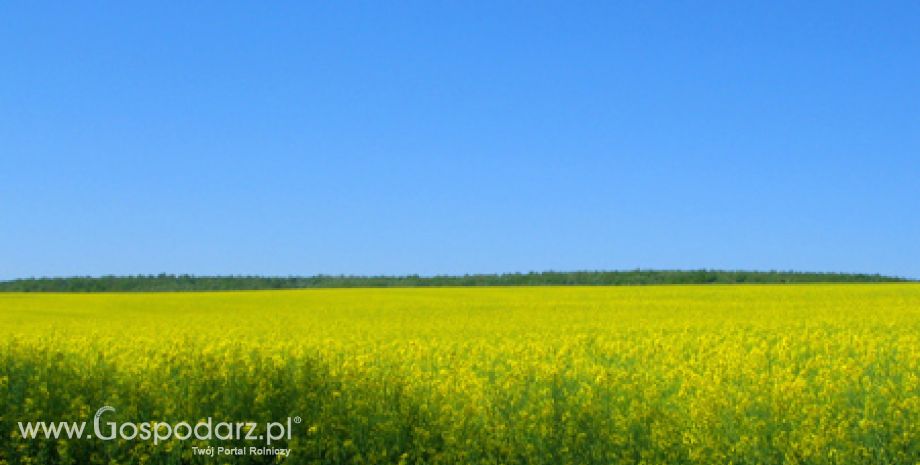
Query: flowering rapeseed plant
x=799, y=374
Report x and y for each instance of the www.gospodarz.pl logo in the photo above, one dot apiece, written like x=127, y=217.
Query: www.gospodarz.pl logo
x=161, y=431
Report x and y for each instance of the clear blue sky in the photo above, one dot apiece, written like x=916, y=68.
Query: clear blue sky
x=451, y=137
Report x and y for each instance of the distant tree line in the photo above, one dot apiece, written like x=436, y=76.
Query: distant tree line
x=184, y=282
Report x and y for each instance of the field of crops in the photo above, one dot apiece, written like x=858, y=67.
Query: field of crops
x=795, y=374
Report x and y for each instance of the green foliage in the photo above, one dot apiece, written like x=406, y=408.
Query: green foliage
x=184, y=282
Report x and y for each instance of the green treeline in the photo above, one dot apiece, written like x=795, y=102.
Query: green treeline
x=168, y=282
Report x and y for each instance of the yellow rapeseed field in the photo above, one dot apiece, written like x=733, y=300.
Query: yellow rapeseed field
x=757, y=374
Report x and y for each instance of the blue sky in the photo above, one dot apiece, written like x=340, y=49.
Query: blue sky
x=453, y=137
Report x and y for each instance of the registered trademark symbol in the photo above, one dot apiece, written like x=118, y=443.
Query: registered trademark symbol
x=297, y=420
